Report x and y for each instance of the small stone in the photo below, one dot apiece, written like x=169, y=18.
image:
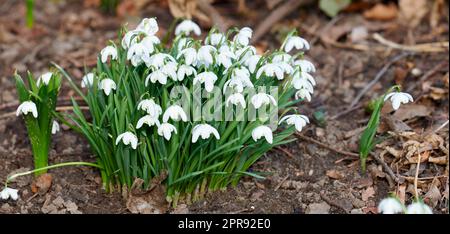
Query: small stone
x=6, y=208
x=311, y=172
x=416, y=72
x=356, y=211
x=318, y=208
x=58, y=202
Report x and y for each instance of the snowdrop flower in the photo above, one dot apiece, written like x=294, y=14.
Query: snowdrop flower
x=107, y=85
x=390, y=206
x=189, y=54
x=286, y=67
x=224, y=57
x=9, y=193
x=55, y=127
x=262, y=131
x=127, y=138
x=243, y=36
x=241, y=73
x=129, y=39
x=149, y=106
x=147, y=119
x=298, y=120
x=137, y=52
x=303, y=80
x=148, y=26
x=245, y=52
x=158, y=60
x=238, y=83
x=271, y=70
x=149, y=42
x=208, y=78
x=418, y=208
x=215, y=39
x=166, y=129
x=251, y=62
x=44, y=78
x=87, y=80
x=305, y=65
x=27, y=107
x=398, y=98
x=235, y=99
x=303, y=93
x=157, y=75
x=183, y=43
x=108, y=51
x=205, y=131
x=174, y=112
x=297, y=42
x=186, y=27
x=262, y=99
x=185, y=70
x=282, y=58
x=170, y=69
x=204, y=55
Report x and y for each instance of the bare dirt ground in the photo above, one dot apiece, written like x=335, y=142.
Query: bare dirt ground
x=318, y=173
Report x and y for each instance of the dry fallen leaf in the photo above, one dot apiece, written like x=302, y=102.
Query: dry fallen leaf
x=433, y=196
x=42, y=183
x=401, y=193
x=182, y=8
x=382, y=12
x=367, y=193
x=151, y=201
x=413, y=110
x=335, y=174
x=413, y=11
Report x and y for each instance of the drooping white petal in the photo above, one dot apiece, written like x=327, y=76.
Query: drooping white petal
x=299, y=121
x=418, y=208
x=185, y=70
x=166, y=129
x=236, y=99
x=107, y=85
x=107, y=52
x=55, y=127
x=398, y=98
x=390, y=206
x=127, y=138
x=262, y=99
x=148, y=26
x=44, y=78
x=204, y=131
x=87, y=80
x=7, y=193
x=147, y=119
x=186, y=27
x=262, y=131
x=174, y=112
x=149, y=106
x=208, y=78
x=297, y=43
x=27, y=107
x=243, y=36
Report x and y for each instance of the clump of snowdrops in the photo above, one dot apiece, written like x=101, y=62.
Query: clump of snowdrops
x=367, y=141
x=199, y=111
x=392, y=205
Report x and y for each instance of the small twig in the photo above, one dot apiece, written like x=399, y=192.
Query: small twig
x=423, y=178
x=424, y=48
x=377, y=78
x=350, y=154
x=331, y=202
x=281, y=182
x=289, y=154
x=276, y=15
x=386, y=167
x=441, y=127
x=417, y=174
x=428, y=75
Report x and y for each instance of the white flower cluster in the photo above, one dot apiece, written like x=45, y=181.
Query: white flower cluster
x=393, y=206
x=188, y=58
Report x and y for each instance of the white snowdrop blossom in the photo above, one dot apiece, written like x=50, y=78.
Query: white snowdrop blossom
x=299, y=121
x=185, y=70
x=190, y=56
x=158, y=60
x=398, y=98
x=87, y=80
x=107, y=85
x=225, y=56
x=27, y=107
x=271, y=70
x=205, y=55
x=166, y=129
x=107, y=52
x=236, y=99
x=390, y=206
x=215, y=39
x=245, y=52
x=183, y=43
x=129, y=39
x=149, y=106
x=238, y=82
x=174, y=112
x=252, y=62
x=303, y=93
x=286, y=67
x=147, y=119
x=418, y=208
x=303, y=80
x=170, y=69
x=44, y=78
x=55, y=127
x=283, y=57
x=127, y=138
x=262, y=131
x=208, y=78
x=155, y=76
x=305, y=65
x=204, y=131
x=297, y=43
x=262, y=99
x=7, y=193
x=148, y=26
x=243, y=36
x=186, y=27
x=137, y=52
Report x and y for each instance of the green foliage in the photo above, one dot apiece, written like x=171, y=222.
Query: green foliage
x=333, y=7
x=29, y=13
x=39, y=129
